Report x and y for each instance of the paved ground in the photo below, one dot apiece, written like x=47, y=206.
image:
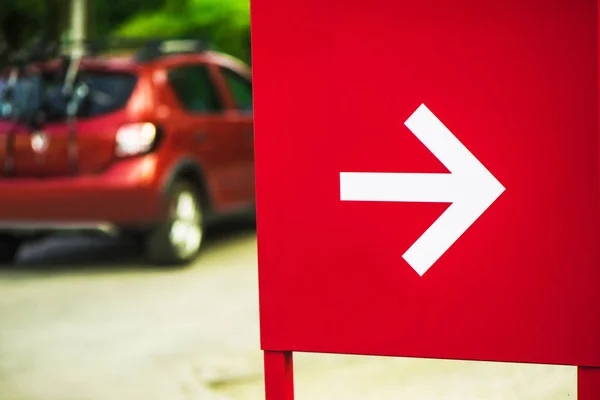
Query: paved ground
x=84, y=320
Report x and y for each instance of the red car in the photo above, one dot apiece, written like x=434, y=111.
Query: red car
x=159, y=146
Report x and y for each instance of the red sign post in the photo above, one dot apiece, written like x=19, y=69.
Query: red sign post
x=428, y=181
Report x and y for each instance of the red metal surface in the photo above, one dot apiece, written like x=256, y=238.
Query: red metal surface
x=588, y=383
x=516, y=81
x=279, y=375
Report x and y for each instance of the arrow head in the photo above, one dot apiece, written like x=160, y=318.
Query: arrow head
x=469, y=186
x=473, y=190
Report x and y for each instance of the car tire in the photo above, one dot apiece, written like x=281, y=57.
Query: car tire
x=9, y=249
x=179, y=238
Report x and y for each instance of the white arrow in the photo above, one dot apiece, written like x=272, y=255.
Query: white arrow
x=469, y=186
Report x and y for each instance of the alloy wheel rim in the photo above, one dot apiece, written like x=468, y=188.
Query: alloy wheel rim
x=186, y=227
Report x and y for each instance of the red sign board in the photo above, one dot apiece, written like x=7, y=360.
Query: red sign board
x=428, y=178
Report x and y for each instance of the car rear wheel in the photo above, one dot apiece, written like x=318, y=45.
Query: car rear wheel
x=179, y=238
x=9, y=249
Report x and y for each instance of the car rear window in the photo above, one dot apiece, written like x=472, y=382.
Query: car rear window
x=109, y=92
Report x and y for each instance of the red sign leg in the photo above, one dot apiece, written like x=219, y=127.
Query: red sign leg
x=588, y=383
x=279, y=375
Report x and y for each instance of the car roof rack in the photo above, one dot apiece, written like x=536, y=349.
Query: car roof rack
x=161, y=48
x=146, y=49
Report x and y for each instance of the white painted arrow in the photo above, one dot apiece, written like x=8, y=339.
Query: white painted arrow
x=469, y=186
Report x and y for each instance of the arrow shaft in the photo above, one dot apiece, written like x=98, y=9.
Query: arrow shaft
x=399, y=187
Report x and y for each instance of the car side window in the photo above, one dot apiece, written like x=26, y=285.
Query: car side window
x=241, y=89
x=195, y=89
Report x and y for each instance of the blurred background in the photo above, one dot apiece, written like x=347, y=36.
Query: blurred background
x=225, y=24
x=85, y=318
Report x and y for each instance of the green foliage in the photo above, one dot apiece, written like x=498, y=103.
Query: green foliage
x=21, y=19
x=22, y=7
x=106, y=15
x=225, y=24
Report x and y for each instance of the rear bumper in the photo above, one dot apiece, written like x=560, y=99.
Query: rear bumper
x=126, y=194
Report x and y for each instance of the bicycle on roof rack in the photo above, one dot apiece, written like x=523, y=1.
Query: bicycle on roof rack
x=74, y=92
x=72, y=52
x=17, y=62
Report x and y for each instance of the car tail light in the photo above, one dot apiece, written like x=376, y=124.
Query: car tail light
x=135, y=139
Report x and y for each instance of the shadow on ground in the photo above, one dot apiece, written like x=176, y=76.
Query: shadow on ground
x=71, y=253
